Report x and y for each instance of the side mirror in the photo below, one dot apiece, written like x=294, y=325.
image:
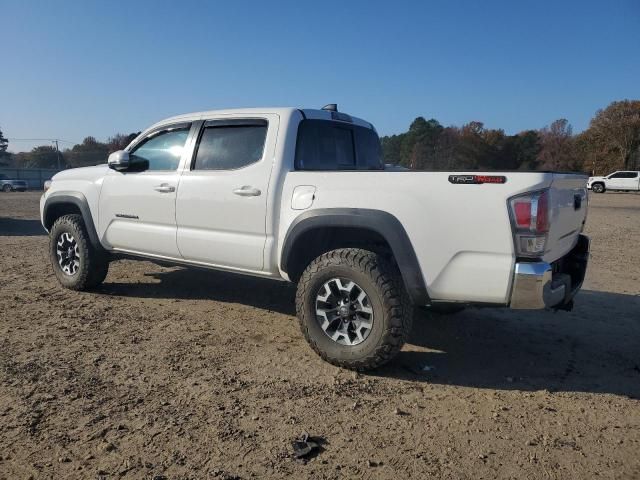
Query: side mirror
x=119, y=160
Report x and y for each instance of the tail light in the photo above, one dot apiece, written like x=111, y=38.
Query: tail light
x=530, y=218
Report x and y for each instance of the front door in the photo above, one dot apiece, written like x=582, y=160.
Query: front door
x=221, y=207
x=138, y=206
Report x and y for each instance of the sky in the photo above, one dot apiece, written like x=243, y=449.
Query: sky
x=77, y=68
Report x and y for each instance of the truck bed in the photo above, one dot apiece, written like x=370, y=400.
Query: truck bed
x=461, y=233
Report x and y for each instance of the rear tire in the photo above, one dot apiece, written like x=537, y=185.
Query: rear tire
x=77, y=264
x=364, y=281
x=598, y=188
x=6, y=188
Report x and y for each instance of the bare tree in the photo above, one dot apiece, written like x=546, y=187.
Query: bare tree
x=119, y=141
x=557, y=147
x=615, y=132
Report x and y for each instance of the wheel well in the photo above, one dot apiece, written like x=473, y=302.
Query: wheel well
x=58, y=210
x=316, y=241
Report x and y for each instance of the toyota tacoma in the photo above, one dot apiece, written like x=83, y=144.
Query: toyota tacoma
x=303, y=195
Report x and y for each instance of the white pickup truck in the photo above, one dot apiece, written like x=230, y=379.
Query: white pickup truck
x=303, y=195
x=623, y=180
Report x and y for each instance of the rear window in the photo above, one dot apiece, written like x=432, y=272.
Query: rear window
x=328, y=145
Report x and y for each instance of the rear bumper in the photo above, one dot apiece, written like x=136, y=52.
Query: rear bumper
x=539, y=285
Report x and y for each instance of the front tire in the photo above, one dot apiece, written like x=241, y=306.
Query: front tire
x=598, y=188
x=353, y=308
x=6, y=188
x=77, y=264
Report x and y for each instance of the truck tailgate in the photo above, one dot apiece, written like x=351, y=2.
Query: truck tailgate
x=568, y=211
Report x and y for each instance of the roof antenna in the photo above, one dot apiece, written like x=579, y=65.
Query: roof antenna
x=331, y=107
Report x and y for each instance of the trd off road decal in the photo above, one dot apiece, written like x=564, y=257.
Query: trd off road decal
x=476, y=179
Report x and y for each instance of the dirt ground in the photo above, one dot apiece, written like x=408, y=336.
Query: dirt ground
x=174, y=373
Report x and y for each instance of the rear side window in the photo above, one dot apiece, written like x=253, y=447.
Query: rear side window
x=624, y=175
x=328, y=145
x=230, y=145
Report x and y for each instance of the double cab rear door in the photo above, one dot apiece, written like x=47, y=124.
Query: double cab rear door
x=196, y=191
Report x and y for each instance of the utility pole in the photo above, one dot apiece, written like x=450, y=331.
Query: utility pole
x=57, y=153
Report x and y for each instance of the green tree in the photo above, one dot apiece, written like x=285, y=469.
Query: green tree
x=89, y=152
x=4, y=155
x=444, y=153
x=521, y=151
x=43, y=156
x=416, y=148
x=4, y=143
x=391, y=149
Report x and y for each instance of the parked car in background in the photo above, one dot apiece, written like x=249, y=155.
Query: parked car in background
x=10, y=185
x=623, y=180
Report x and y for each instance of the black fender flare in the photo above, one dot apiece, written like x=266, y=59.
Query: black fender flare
x=79, y=200
x=378, y=221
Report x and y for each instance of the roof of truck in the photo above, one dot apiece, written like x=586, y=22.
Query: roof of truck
x=281, y=111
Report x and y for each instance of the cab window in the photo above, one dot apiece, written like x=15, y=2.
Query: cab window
x=624, y=175
x=161, y=151
x=230, y=145
x=330, y=145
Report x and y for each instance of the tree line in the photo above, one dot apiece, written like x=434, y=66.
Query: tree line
x=89, y=152
x=612, y=142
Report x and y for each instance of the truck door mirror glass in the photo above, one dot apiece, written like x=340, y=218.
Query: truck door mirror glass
x=119, y=160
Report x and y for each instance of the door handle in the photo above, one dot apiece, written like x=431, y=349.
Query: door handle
x=247, y=191
x=164, y=188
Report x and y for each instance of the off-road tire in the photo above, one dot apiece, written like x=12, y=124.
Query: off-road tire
x=393, y=310
x=94, y=264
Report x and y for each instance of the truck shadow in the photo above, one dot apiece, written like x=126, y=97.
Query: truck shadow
x=201, y=284
x=20, y=227
x=595, y=348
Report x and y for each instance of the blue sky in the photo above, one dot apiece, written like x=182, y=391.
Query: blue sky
x=71, y=69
